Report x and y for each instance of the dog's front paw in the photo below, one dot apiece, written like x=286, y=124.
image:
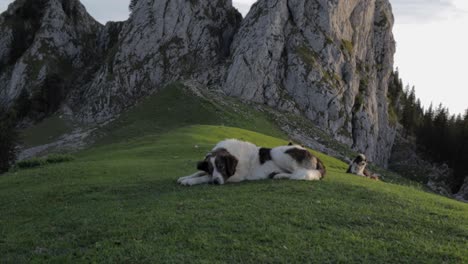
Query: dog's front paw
x=181, y=179
x=187, y=182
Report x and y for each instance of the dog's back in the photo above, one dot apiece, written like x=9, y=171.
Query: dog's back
x=242, y=150
x=295, y=158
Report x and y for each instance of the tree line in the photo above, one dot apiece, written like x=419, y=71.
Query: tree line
x=441, y=137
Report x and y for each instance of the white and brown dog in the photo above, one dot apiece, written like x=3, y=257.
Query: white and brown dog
x=233, y=161
x=358, y=167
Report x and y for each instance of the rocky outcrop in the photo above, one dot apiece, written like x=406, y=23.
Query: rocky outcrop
x=163, y=41
x=329, y=59
x=55, y=51
x=462, y=195
x=44, y=44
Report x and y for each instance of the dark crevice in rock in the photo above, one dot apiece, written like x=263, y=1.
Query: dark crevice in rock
x=25, y=21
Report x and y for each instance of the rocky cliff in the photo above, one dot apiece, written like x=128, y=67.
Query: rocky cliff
x=328, y=60
x=44, y=46
x=163, y=41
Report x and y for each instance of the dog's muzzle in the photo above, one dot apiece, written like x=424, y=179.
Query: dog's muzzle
x=216, y=181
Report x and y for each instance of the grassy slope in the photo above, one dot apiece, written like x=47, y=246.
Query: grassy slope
x=118, y=202
x=46, y=132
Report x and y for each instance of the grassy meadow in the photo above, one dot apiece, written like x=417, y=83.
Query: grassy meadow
x=118, y=201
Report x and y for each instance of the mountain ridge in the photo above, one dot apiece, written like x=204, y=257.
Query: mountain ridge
x=327, y=60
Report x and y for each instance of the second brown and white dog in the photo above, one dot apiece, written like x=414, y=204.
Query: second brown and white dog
x=358, y=167
x=233, y=161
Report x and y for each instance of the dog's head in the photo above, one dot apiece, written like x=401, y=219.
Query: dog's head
x=219, y=164
x=360, y=160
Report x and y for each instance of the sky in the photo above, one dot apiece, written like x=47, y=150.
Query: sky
x=431, y=36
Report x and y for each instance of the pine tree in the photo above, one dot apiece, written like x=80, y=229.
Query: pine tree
x=463, y=158
x=425, y=133
x=441, y=128
x=441, y=137
x=409, y=116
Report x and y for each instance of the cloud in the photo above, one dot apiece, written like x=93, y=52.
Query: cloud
x=423, y=11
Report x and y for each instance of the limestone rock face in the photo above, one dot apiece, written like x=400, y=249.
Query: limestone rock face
x=329, y=59
x=43, y=45
x=163, y=41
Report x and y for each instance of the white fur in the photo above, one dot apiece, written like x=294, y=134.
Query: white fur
x=249, y=167
x=306, y=175
x=285, y=161
x=196, y=178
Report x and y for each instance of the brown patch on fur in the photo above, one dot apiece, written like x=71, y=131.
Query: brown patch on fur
x=321, y=167
x=359, y=159
x=299, y=154
x=217, y=152
x=367, y=173
x=272, y=175
x=225, y=162
x=205, y=166
x=223, y=158
x=293, y=144
x=264, y=155
x=371, y=175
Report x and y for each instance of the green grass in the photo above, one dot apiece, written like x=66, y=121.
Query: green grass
x=45, y=132
x=347, y=45
x=175, y=107
x=118, y=201
x=307, y=55
x=37, y=162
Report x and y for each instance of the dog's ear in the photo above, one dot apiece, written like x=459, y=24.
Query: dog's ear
x=203, y=166
x=231, y=164
x=358, y=159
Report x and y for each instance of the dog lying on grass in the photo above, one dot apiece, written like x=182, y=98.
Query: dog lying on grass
x=233, y=161
x=358, y=167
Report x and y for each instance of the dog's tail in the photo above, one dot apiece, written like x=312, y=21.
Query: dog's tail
x=321, y=168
